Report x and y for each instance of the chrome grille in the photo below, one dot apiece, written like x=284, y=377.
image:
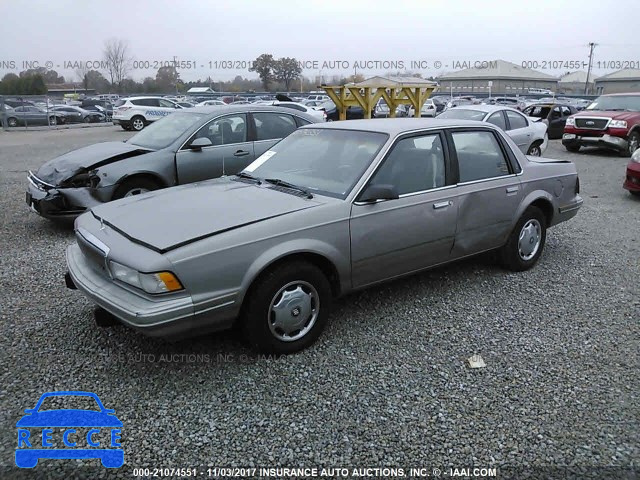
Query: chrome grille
x=592, y=123
x=94, y=250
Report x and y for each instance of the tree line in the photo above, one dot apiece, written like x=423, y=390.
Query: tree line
x=274, y=74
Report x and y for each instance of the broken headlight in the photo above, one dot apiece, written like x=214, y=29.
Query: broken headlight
x=85, y=179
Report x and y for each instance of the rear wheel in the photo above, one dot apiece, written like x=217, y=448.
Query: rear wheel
x=135, y=186
x=286, y=309
x=526, y=242
x=87, y=119
x=572, y=148
x=535, y=149
x=53, y=121
x=12, y=122
x=137, y=123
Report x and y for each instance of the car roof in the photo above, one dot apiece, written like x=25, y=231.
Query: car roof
x=396, y=126
x=484, y=108
x=634, y=94
x=243, y=108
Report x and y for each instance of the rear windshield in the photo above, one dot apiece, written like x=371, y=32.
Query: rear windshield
x=463, y=114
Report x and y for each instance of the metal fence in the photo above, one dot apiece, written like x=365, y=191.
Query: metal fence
x=51, y=112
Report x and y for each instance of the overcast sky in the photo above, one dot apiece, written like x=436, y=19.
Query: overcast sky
x=329, y=30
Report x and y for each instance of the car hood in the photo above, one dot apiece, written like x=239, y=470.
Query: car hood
x=173, y=217
x=66, y=166
x=617, y=115
x=69, y=418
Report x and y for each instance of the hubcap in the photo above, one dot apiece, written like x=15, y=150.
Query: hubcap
x=535, y=152
x=138, y=124
x=633, y=144
x=136, y=191
x=293, y=311
x=530, y=238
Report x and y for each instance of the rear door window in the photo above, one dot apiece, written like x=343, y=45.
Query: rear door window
x=479, y=156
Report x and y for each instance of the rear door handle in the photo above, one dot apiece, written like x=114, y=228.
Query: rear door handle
x=439, y=205
x=512, y=189
x=241, y=153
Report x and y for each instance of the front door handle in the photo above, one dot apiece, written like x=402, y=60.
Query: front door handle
x=241, y=153
x=439, y=205
x=512, y=189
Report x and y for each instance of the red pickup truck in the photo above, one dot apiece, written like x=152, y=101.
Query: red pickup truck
x=611, y=121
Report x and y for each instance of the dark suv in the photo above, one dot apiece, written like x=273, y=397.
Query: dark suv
x=611, y=121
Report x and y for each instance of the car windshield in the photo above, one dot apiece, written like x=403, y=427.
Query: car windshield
x=329, y=105
x=164, y=132
x=463, y=114
x=323, y=161
x=616, y=102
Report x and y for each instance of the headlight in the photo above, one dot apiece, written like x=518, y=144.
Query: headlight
x=160, y=282
x=83, y=180
x=636, y=156
x=571, y=122
x=618, y=124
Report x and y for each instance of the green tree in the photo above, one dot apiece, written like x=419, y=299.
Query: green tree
x=263, y=66
x=167, y=78
x=286, y=70
x=38, y=86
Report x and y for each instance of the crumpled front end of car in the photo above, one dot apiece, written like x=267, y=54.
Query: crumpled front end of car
x=67, y=200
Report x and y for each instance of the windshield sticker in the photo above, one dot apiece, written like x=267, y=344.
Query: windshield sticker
x=260, y=160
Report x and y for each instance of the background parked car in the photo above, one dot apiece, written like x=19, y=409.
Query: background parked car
x=105, y=106
x=632, y=179
x=553, y=114
x=529, y=134
x=135, y=113
x=27, y=115
x=428, y=109
x=208, y=103
x=78, y=114
x=190, y=145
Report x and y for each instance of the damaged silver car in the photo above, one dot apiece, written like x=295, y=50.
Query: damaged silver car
x=332, y=208
x=185, y=147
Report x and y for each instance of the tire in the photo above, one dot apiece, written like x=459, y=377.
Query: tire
x=535, y=149
x=135, y=186
x=137, y=123
x=635, y=193
x=53, y=121
x=572, y=148
x=634, y=144
x=87, y=119
x=517, y=255
x=310, y=296
x=12, y=122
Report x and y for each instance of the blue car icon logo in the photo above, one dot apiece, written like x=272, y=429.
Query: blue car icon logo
x=69, y=433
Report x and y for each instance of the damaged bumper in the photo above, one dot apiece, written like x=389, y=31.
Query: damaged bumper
x=605, y=141
x=53, y=202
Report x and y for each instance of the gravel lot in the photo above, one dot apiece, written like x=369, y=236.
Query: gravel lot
x=386, y=385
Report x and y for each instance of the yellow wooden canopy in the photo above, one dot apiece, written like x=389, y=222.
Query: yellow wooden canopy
x=395, y=91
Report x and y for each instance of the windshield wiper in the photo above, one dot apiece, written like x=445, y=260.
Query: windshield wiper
x=248, y=176
x=282, y=183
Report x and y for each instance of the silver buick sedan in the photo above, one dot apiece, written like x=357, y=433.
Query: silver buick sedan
x=330, y=209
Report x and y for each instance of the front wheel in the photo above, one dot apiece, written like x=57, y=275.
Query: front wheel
x=53, y=121
x=286, y=310
x=632, y=145
x=135, y=186
x=525, y=244
x=137, y=123
x=13, y=122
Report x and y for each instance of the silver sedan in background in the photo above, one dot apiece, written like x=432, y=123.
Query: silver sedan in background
x=530, y=134
x=332, y=208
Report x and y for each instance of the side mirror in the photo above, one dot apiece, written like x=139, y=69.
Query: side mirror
x=199, y=143
x=379, y=192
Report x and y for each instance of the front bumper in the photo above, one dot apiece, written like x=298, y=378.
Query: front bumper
x=53, y=202
x=169, y=315
x=605, y=141
x=164, y=315
x=632, y=179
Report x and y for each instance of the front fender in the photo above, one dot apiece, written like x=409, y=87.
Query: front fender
x=160, y=164
x=340, y=261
